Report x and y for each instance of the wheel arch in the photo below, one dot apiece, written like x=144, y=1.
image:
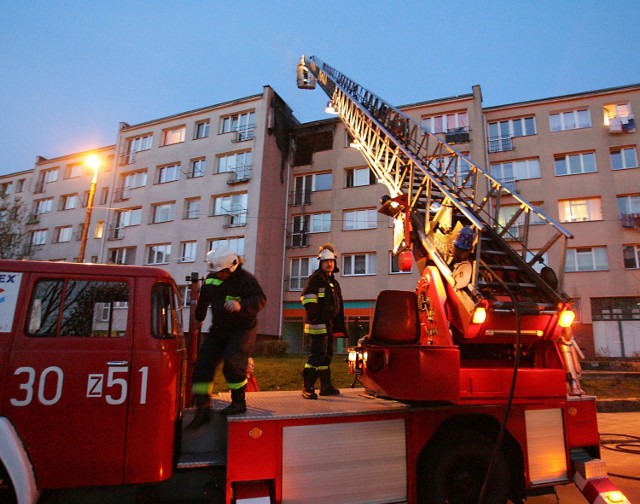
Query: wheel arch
x=489, y=426
x=15, y=460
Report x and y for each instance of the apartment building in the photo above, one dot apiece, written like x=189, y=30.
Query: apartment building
x=244, y=173
x=173, y=188
x=576, y=157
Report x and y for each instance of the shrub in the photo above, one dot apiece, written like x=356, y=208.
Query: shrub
x=271, y=348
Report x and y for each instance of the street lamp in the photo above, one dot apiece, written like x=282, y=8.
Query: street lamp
x=93, y=162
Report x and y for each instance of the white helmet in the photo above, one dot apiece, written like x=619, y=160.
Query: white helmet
x=222, y=258
x=326, y=252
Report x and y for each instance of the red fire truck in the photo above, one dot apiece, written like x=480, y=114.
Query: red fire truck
x=470, y=382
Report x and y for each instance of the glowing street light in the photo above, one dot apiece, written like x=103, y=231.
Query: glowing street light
x=93, y=162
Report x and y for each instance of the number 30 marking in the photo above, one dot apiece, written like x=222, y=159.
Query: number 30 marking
x=28, y=385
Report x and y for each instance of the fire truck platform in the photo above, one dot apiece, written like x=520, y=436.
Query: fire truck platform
x=284, y=405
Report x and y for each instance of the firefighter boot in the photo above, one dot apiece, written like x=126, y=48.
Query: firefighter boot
x=309, y=376
x=326, y=388
x=238, y=404
x=203, y=412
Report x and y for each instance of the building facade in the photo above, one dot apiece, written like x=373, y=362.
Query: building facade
x=244, y=173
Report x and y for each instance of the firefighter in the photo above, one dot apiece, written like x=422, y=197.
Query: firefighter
x=461, y=257
x=235, y=297
x=324, y=310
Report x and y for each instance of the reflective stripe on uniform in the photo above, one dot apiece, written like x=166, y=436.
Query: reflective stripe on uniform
x=201, y=388
x=315, y=328
x=232, y=298
x=322, y=368
x=214, y=281
x=308, y=298
x=236, y=386
x=321, y=292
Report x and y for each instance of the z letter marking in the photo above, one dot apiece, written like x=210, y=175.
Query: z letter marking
x=94, y=385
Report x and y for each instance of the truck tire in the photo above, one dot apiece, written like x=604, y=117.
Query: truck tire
x=453, y=469
x=7, y=492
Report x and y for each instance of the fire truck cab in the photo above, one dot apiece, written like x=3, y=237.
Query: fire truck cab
x=92, y=368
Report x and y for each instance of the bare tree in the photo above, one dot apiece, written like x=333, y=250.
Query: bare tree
x=14, y=234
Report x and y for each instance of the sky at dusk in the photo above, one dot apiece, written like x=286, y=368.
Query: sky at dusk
x=71, y=71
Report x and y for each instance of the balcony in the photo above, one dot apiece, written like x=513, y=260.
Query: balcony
x=240, y=174
x=242, y=135
x=500, y=144
x=236, y=219
x=121, y=194
x=116, y=233
x=457, y=135
x=630, y=221
x=127, y=158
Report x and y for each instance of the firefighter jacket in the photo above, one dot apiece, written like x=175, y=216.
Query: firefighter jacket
x=241, y=286
x=322, y=301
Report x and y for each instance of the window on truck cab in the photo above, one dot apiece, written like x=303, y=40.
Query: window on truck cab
x=166, y=312
x=86, y=308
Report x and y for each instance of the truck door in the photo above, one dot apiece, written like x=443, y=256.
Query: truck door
x=68, y=378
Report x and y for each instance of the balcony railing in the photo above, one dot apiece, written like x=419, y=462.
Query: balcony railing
x=630, y=221
x=236, y=219
x=500, y=144
x=244, y=134
x=240, y=174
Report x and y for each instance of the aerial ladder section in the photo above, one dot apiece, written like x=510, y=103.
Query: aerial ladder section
x=504, y=294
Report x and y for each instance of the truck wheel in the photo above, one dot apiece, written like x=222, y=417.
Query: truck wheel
x=453, y=469
x=7, y=492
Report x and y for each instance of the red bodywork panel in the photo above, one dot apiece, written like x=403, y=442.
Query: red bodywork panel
x=92, y=409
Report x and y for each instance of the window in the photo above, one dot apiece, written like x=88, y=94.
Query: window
x=508, y=172
x=522, y=126
x=394, y=268
x=188, y=251
x=201, y=130
x=49, y=176
x=586, y=259
x=63, y=234
x=104, y=196
x=301, y=270
x=6, y=189
x=172, y=136
x=39, y=237
x=159, y=254
x=162, y=212
x=234, y=206
x=357, y=177
x=135, y=179
x=166, y=316
x=631, y=255
x=580, y=210
x=573, y=119
x=359, y=264
x=359, y=219
x=304, y=185
x=446, y=123
x=572, y=164
x=99, y=230
x=236, y=244
x=629, y=205
x=238, y=163
x=242, y=123
x=124, y=219
x=516, y=231
x=192, y=208
x=74, y=170
x=198, y=168
x=619, y=118
x=43, y=206
x=139, y=143
x=20, y=185
x=455, y=167
x=623, y=158
x=169, y=173
x=69, y=201
x=619, y=308
x=122, y=255
x=92, y=308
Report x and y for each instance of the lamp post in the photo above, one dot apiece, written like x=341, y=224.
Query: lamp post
x=93, y=162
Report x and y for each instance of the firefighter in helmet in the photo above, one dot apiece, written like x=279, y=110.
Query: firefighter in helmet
x=461, y=257
x=324, y=310
x=235, y=298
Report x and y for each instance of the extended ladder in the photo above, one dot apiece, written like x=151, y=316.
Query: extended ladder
x=438, y=190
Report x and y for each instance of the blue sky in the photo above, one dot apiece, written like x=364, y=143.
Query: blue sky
x=71, y=71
